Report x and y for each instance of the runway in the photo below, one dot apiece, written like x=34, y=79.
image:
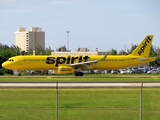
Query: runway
x=78, y=85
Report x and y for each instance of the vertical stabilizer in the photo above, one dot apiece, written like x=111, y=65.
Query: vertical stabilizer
x=143, y=49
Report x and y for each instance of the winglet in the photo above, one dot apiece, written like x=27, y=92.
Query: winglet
x=104, y=57
x=143, y=49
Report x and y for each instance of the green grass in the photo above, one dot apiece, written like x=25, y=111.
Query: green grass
x=27, y=104
x=86, y=78
x=79, y=104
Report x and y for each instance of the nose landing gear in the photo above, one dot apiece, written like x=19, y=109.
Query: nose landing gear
x=19, y=74
x=78, y=73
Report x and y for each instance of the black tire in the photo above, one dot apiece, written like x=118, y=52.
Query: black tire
x=33, y=73
x=78, y=73
x=19, y=74
x=81, y=74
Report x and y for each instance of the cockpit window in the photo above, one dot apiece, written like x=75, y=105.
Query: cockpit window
x=10, y=60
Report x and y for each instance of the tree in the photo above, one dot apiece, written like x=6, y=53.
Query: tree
x=113, y=52
x=4, y=55
x=16, y=49
x=48, y=51
x=133, y=47
x=122, y=52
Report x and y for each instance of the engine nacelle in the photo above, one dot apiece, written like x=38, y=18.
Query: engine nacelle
x=64, y=70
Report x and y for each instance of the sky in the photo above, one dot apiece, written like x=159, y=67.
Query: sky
x=102, y=24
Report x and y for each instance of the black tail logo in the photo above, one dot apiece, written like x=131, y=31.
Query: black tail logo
x=142, y=49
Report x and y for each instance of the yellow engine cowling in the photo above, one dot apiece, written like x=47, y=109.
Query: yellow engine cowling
x=64, y=70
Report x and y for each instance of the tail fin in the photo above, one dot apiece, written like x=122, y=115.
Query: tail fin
x=143, y=49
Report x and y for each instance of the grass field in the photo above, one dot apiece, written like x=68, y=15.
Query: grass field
x=86, y=78
x=80, y=103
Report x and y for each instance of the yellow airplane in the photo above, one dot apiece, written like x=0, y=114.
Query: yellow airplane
x=69, y=64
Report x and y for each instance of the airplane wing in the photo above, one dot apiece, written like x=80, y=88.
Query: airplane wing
x=85, y=64
x=82, y=64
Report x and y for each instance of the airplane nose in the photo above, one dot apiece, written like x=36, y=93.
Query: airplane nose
x=4, y=65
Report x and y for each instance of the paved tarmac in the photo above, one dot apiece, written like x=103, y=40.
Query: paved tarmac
x=78, y=85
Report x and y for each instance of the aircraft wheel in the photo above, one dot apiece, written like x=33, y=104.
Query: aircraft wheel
x=19, y=74
x=78, y=73
x=81, y=74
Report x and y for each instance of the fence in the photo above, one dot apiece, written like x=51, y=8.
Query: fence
x=87, y=101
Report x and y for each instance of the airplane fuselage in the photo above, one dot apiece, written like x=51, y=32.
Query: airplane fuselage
x=53, y=62
x=67, y=64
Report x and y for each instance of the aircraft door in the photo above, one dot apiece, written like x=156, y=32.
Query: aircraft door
x=20, y=61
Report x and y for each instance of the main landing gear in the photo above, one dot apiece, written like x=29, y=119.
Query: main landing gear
x=78, y=73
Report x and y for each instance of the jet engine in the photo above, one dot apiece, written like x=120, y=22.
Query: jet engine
x=64, y=70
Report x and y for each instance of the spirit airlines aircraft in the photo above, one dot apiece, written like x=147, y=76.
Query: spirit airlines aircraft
x=68, y=64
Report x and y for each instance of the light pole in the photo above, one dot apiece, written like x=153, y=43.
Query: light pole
x=68, y=39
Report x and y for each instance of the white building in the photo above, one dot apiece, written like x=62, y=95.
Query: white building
x=30, y=40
